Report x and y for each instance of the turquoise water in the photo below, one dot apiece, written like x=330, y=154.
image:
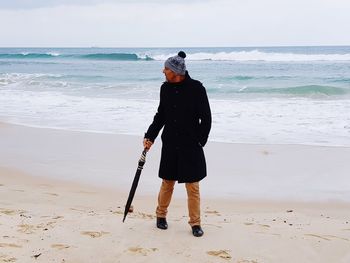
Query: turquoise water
x=292, y=95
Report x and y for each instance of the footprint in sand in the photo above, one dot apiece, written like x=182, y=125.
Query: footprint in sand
x=30, y=229
x=118, y=212
x=10, y=245
x=214, y=212
x=142, y=251
x=58, y=217
x=83, y=209
x=60, y=246
x=11, y=212
x=94, y=234
x=26, y=229
x=317, y=236
x=327, y=237
x=137, y=215
x=46, y=225
x=145, y=216
x=265, y=226
x=6, y=258
x=342, y=238
x=23, y=215
x=53, y=194
x=7, y=212
x=220, y=253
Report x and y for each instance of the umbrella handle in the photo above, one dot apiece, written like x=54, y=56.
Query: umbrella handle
x=142, y=159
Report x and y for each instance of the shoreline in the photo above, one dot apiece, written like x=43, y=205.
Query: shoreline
x=2, y=122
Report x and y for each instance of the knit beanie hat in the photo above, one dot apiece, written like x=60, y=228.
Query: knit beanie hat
x=177, y=63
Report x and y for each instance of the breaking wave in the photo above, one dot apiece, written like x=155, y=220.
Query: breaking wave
x=92, y=56
x=256, y=55
x=253, y=55
x=299, y=91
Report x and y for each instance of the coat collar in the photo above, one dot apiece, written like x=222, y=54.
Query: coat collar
x=186, y=80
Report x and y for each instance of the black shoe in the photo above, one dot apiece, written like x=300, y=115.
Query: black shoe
x=161, y=223
x=197, y=231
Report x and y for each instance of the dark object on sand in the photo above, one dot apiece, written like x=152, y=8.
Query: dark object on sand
x=36, y=256
x=135, y=182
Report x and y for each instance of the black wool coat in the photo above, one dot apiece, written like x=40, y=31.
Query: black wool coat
x=184, y=112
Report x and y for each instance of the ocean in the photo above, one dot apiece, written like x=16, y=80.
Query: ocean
x=264, y=95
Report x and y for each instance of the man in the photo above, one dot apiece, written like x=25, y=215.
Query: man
x=184, y=112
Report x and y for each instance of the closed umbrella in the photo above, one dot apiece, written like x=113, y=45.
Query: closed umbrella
x=135, y=182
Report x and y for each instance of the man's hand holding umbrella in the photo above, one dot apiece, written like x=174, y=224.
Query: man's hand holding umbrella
x=147, y=144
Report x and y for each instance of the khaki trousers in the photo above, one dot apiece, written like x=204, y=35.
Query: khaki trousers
x=193, y=200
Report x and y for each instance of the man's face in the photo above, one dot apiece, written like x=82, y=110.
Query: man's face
x=169, y=75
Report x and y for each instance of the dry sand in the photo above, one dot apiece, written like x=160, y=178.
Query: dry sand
x=43, y=220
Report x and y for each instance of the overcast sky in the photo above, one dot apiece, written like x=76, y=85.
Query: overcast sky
x=182, y=23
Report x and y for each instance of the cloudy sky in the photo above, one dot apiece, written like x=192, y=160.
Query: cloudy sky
x=182, y=23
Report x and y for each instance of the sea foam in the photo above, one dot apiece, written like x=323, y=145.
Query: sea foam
x=256, y=55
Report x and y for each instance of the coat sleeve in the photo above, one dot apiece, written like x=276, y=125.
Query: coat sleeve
x=204, y=116
x=158, y=120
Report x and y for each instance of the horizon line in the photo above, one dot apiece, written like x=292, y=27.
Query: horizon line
x=249, y=46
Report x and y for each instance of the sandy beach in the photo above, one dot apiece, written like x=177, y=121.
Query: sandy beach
x=62, y=197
